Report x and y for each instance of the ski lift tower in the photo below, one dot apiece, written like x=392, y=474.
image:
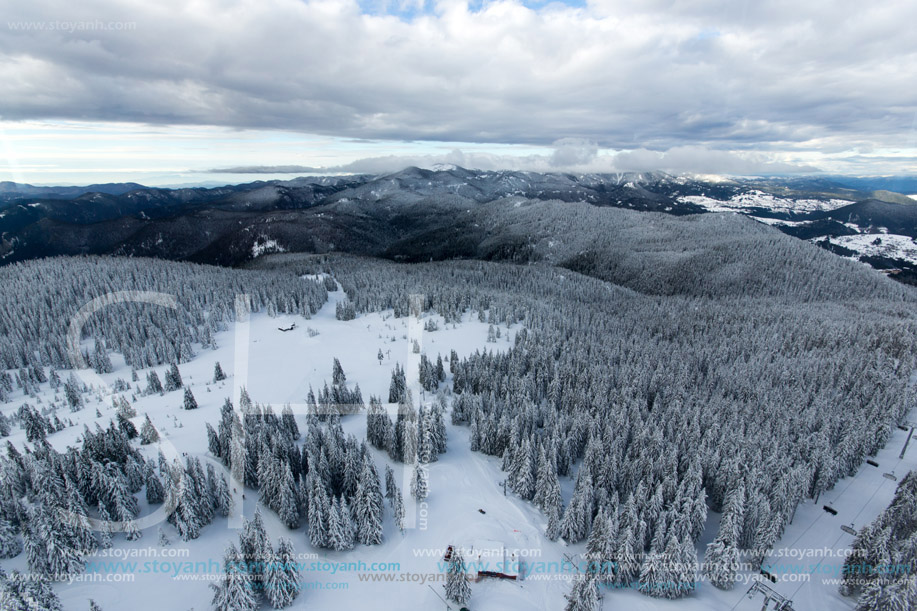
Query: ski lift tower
x=779, y=602
x=908, y=440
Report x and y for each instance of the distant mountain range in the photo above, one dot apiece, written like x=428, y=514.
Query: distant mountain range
x=10, y=191
x=407, y=215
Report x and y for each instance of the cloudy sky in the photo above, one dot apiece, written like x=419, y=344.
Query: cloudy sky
x=164, y=91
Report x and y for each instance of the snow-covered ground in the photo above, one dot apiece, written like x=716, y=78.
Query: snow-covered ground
x=768, y=221
x=760, y=199
x=281, y=366
x=889, y=245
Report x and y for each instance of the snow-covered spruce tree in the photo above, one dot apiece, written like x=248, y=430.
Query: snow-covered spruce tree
x=289, y=422
x=440, y=369
x=186, y=517
x=721, y=561
x=398, y=385
x=654, y=576
x=9, y=595
x=155, y=491
x=234, y=592
x=35, y=425
x=340, y=526
x=627, y=564
x=585, y=594
x=872, y=598
x=49, y=544
x=670, y=573
x=552, y=528
x=424, y=442
x=224, y=501
x=127, y=426
x=255, y=547
x=889, y=541
x=405, y=436
x=438, y=416
x=349, y=529
x=432, y=433
x=173, y=379
x=189, y=401
x=577, y=517
x=419, y=488
x=218, y=375
x=390, y=485
x=891, y=594
x=368, y=506
x=148, y=432
x=21, y=593
x=686, y=565
x=124, y=407
x=337, y=374
x=344, y=310
x=105, y=528
x=378, y=425
x=427, y=374
x=286, y=504
x=100, y=359
x=398, y=509
x=547, y=487
x=73, y=391
x=521, y=474
x=153, y=385
x=10, y=544
x=600, y=546
x=319, y=512
x=457, y=588
x=76, y=519
x=114, y=492
x=282, y=577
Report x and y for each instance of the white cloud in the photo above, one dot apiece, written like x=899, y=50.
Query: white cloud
x=578, y=156
x=572, y=152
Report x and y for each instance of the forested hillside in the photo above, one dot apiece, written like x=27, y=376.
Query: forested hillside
x=40, y=298
x=418, y=214
x=661, y=406
x=685, y=374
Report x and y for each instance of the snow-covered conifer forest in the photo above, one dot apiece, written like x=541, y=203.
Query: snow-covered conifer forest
x=332, y=431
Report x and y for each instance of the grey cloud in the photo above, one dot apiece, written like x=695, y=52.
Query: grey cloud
x=651, y=74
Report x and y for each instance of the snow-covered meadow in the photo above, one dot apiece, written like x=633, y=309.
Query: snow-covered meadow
x=889, y=245
x=758, y=199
